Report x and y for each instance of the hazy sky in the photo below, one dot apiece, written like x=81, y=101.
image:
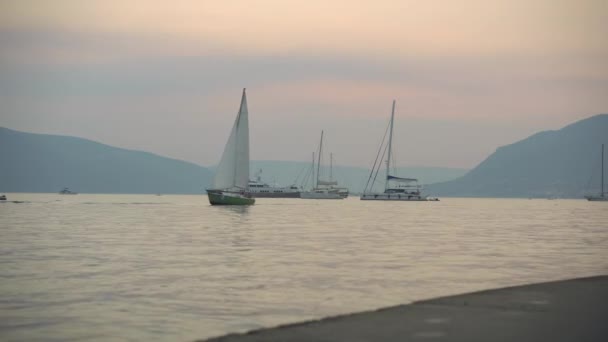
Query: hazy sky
x=166, y=76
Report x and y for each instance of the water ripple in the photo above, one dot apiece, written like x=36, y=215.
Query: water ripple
x=134, y=267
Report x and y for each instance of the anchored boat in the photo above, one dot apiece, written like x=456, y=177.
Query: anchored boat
x=321, y=189
x=231, y=181
x=395, y=188
x=260, y=189
x=66, y=191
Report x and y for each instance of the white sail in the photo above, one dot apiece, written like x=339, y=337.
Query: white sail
x=233, y=169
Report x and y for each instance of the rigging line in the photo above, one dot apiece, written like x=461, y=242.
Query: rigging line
x=588, y=187
x=321, y=170
x=377, y=171
x=394, y=162
x=298, y=176
x=308, y=175
x=376, y=161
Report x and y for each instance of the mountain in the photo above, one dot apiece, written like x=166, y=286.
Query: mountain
x=563, y=163
x=354, y=178
x=47, y=163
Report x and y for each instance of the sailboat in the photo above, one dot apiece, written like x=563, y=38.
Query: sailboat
x=395, y=188
x=602, y=196
x=231, y=181
x=333, y=184
x=322, y=189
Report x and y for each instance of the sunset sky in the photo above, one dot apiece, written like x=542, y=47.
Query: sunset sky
x=166, y=76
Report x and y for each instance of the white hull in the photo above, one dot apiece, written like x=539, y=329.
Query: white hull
x=259, y=189
x=395, y=197
x=320, y=195
x=275, y=194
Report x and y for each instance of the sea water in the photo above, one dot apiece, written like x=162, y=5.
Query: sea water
x=166, y=268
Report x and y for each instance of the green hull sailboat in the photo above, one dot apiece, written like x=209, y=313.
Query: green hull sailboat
x=229, y=198
x=231, y=181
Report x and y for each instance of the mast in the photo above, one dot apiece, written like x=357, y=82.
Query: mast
x=312, y=171
x=331, y=166
x=319, y=159
x=390, y=145
x=236, y=148
x=602, y=170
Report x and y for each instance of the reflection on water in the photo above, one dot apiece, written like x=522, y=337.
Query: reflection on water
x=134, y=267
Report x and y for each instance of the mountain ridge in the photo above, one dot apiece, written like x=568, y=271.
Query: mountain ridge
x=553, y=163
x=46, y=163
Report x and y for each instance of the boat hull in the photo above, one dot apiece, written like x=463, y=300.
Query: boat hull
x=396, y=197
x=320, y=195
x=276, y=194
x=597, y=199
x=229, y=198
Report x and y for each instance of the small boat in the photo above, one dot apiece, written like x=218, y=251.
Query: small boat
x=395, y=188
x=322, y=189
x=333, y=184
x=231, y=181
x=66, y=191
x=2, y=197
x=601, y=197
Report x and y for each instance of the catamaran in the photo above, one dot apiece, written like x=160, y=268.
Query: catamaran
x=231, y=181
x=602, y=196
x=322, y=189
x=395, y=188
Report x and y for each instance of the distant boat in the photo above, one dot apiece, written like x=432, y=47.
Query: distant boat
x=333, y=184
x=395, y=188
x=321, y=189
x=602, y=195
x=231, y=181
x=2, y=197
x=66, y=191
x=261, y=189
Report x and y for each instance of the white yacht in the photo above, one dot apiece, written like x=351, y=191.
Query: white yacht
x=395, y=188
x=257, y=188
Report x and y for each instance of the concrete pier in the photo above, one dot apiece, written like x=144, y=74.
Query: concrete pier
x=569, y=310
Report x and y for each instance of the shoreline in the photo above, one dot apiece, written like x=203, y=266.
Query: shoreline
x=563, y=310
